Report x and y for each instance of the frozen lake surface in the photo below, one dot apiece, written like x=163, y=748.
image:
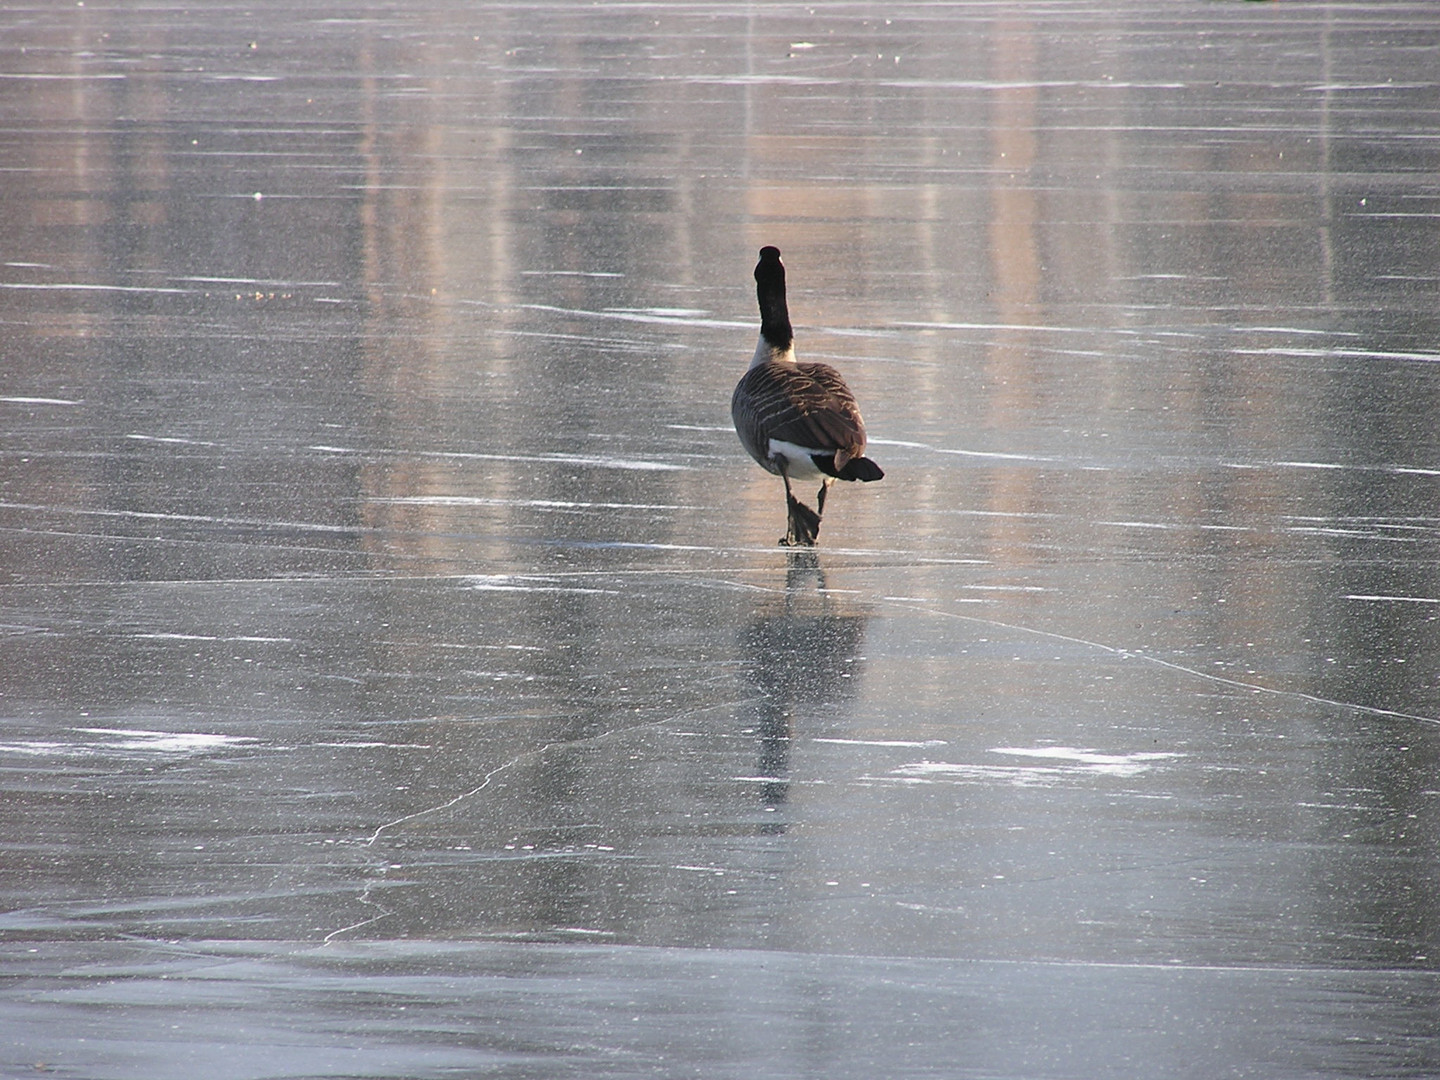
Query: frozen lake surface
x=400, y=677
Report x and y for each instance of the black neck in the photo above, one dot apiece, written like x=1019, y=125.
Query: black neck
x=770, y=291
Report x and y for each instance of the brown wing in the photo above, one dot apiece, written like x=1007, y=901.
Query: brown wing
x=805, y=404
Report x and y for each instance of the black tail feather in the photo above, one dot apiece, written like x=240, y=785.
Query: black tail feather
x=860, y=468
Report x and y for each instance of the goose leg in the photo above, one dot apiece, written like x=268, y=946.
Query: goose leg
x=820, y=499
x=802, y=523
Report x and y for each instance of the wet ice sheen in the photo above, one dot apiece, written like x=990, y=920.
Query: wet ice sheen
x=85, y=742
x=399, y=676
x=1064, y=764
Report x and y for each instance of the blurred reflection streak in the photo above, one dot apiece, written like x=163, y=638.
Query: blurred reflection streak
x=1328, y=208
x=802, y=649
x=1015, y=264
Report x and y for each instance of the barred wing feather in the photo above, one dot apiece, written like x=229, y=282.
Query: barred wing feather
x=806, y=405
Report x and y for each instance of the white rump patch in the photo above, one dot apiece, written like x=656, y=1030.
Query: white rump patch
x=797, y=458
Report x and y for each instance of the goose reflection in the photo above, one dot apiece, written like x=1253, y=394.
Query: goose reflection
x=802, y=649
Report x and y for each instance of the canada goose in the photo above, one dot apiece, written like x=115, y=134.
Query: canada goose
x=796, y=419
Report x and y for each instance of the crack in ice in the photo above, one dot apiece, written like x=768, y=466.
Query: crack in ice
x=1130, y=654
x=485, y=781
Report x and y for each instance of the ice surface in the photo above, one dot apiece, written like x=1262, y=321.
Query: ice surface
x=398, y=674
